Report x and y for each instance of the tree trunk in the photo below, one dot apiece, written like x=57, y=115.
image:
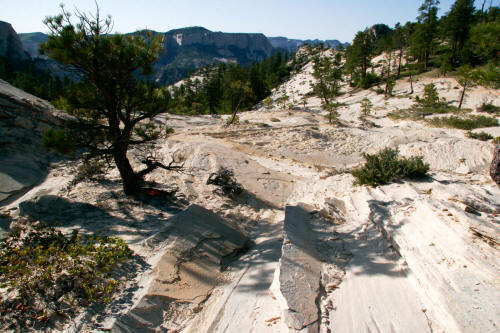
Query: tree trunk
x=495, y=165
x=411, y=84
x=130, y=180
x=462, y=97
x=234, y=113
x=399, y=63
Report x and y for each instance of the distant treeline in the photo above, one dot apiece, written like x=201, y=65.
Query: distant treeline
x=220, y=88
x=224, y=87
x=31, y=77
x=463, y=36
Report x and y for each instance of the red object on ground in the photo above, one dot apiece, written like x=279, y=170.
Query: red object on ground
x=154, y=193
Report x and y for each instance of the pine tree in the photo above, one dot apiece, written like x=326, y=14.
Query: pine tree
x=424, y=37
x=328, y=75
x=110, y=102
x=457, y=25
x=360, y=53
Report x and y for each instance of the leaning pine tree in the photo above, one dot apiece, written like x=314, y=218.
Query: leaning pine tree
x=113, y=103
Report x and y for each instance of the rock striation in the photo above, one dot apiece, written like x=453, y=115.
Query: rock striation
x=23, y=118
x=196, y=245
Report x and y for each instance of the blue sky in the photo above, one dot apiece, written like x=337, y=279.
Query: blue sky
x=323, y=19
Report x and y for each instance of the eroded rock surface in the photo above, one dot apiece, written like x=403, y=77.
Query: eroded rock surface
x=296, y=282
x=196, y=245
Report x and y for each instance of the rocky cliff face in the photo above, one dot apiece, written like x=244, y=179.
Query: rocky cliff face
x=292, y=45
x=31, y=42
x=253, y=44
x=11, y=46
x=191, y=48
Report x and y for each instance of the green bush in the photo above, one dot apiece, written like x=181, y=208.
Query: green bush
x=489, y=108
x=58, y=140
x=225, y=179
x=483, y=136
x=431, y=96
x=275, y=120
x=369, y=80
x=417, y=112
x=51, y=274
x=386, y=166
x=470, y=123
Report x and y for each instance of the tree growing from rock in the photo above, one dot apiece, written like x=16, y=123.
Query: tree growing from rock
x=466, y=77
x=113, y=102
x=239, y=91
x=366, y=107
x=328, y=75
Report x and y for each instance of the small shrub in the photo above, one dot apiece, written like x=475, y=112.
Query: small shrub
x=386, y=166
x=489, y=108
x=263, y=125
x=483, y=136
x=235, y=122
x=275, y=120
x=58, y=140
x=369, y=80
x=431, y=96
x=417, y=112
x=225, y=179
x=366, y=107
x=268, y=102
x=470, y=123
x=91, y=169
x=46, y=273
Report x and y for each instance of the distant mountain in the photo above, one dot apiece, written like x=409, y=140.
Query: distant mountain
x=31, y=42
x=186, y=49
x=194, y=47
x=11, y=46
x=291, y=45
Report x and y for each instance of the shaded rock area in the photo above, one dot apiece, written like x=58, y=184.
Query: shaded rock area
x=11, y=46
x=297, y=280
x=23, y=160
x=196, y=246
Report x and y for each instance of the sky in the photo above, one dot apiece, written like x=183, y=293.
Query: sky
x=301, y=19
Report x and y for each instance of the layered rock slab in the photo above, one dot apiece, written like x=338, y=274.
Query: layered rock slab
x=196, y=244
x=296, y=283
x=23, y=118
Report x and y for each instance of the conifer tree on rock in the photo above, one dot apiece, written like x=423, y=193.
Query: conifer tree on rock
x=113, y=102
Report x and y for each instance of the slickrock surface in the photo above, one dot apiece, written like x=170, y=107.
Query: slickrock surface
x=413, y=256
